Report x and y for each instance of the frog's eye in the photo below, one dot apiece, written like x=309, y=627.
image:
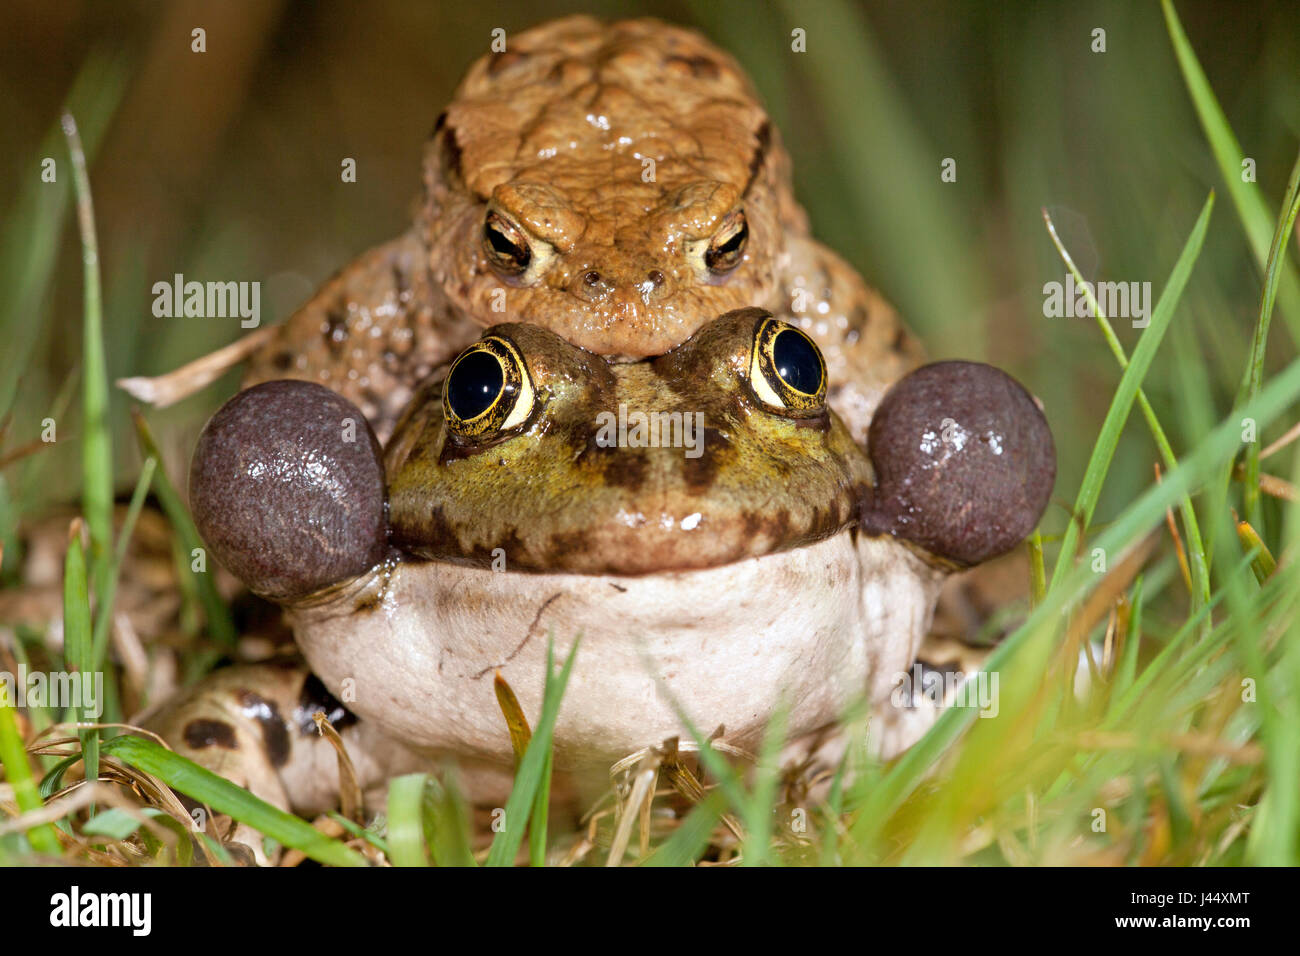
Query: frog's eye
x=487, y=390
x=728, y=244
x=787, y=371
x=505, y=245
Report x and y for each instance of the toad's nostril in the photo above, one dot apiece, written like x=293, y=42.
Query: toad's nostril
x=656, y=278
x=592, y=278
x=964, y=462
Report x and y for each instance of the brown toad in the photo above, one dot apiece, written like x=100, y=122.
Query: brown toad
x=618, y=184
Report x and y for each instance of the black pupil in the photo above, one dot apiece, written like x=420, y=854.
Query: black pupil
x=504, y=247
x=797, y=361
x=474, y=384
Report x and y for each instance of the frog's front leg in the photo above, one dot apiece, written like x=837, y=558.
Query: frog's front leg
x=254, y=725
x=865, y=345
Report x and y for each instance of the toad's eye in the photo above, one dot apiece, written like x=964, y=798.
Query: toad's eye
x=505, y=245
x=787, y=371
x=487, y=390
x=728, y=244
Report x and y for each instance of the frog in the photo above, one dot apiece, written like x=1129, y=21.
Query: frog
x=618, y=183
x=746, y=555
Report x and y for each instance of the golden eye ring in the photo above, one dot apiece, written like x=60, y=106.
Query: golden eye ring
x=487, y=389
x=786, y=369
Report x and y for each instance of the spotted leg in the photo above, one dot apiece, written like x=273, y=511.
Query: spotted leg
x=253, y=724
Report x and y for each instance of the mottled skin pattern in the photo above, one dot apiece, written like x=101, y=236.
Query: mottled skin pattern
x=253, y=725
x=555, y=137
x=763, y=479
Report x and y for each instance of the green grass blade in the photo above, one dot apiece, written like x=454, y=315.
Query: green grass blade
x=96, y=437
x=360, y=832
x=18, y=773
x=537, y=826
x=1247, y=198
x=405, y=827
x=114, y=823
x=1127, y=669
x=528, y=779
x=691, y=838
x=53, y=779
x=1255, y=372
x=1122, y=401
x=762, y=797
x=1199, y=560
x=223, y=796
x=447, y=823
x=78, y=650
x=104, y=613
x=1037, y=571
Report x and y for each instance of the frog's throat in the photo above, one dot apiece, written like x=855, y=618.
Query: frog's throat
x=414, y=646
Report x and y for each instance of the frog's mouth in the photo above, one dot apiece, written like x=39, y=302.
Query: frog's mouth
x=634, y=543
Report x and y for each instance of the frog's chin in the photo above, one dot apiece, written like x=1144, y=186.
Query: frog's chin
x=413, y=646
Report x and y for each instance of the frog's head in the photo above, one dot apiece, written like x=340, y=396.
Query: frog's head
x=542, y=454
x=540, y=451
x=618, y=184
